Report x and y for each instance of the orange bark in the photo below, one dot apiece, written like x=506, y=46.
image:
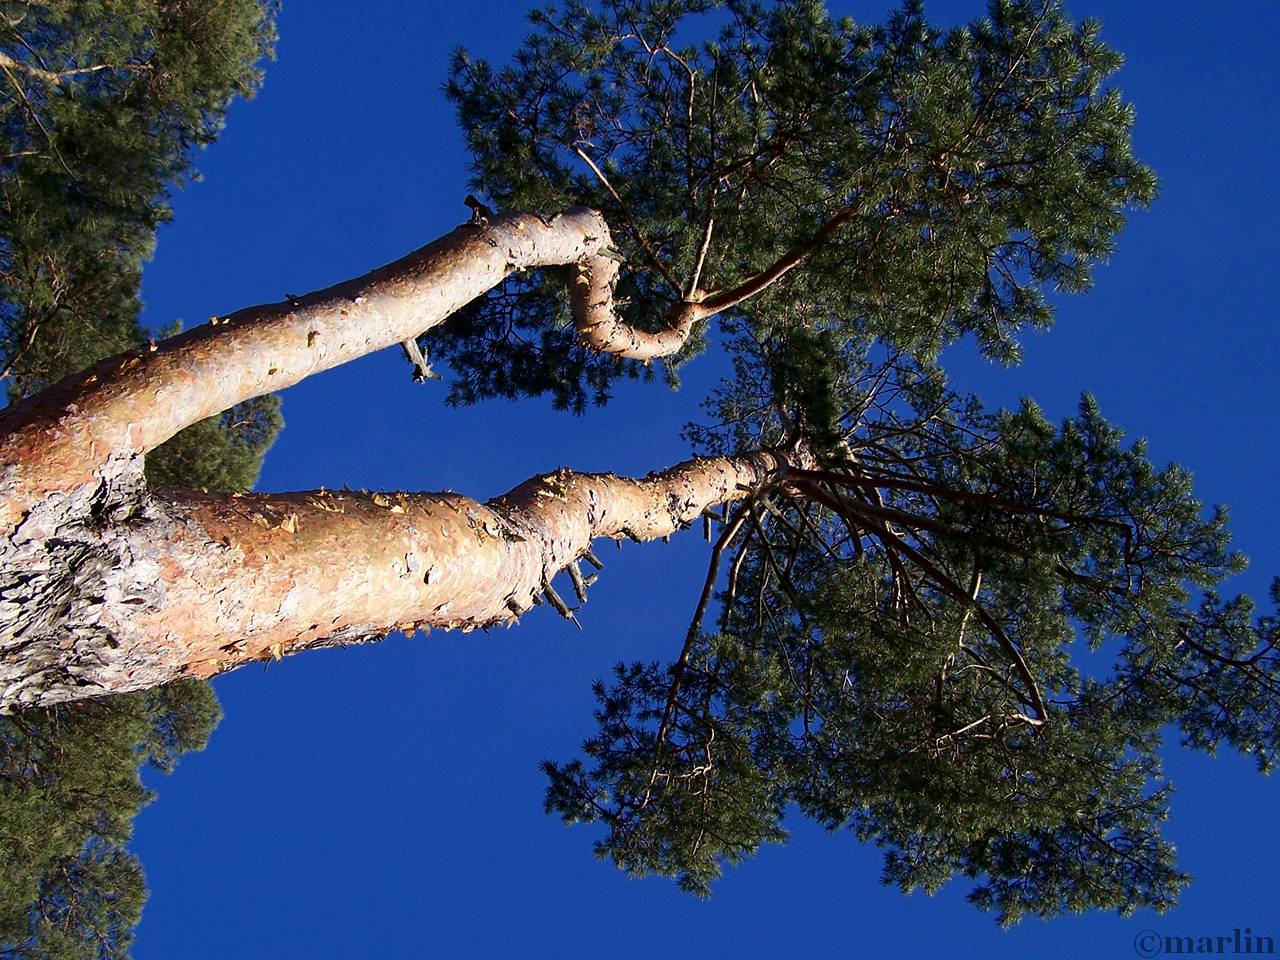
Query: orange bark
x=128, y=405
x=215, y=581
x=294, y=571
x=107, y=587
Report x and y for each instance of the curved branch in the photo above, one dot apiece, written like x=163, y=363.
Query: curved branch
x=757, y=283
x=129, y=404
x=600, y=328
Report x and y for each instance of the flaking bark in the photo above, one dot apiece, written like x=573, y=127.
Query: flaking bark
x=106, y=586
x=128, y=405
x=198, y=584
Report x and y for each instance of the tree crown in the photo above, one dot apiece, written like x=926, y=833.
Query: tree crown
x=900, y=183
x=899, y=645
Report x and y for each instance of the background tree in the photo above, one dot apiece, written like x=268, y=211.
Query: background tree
x=101, y=107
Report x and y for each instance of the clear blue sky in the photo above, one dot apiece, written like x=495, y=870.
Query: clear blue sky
x=385, y=801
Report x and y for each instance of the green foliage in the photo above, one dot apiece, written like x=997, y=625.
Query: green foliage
x=221, y=453
x=966, y=641
x=962, y=635
x=68, y=794
x=937, y=181
x=518, y=340
x=804, y=369
x=103, y=103
x=712, y=799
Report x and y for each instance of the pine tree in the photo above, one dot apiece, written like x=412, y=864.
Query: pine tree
x=102, y=106
x=905, y=578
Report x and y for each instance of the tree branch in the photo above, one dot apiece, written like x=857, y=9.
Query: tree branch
x=55, y=77
x=721, y=300
x=626, y=212
x=203, y=583
x=129, y=404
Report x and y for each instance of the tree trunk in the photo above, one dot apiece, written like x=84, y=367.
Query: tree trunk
x=108, y=587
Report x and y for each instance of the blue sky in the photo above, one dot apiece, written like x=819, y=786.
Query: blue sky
x=384, y=801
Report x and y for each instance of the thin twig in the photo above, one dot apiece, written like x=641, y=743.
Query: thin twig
x=695, y=627
x=626, y=212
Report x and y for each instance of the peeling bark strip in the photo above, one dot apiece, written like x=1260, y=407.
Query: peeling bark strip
x=201, y=584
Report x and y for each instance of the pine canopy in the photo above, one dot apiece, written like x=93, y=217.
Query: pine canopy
x=963, y=634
